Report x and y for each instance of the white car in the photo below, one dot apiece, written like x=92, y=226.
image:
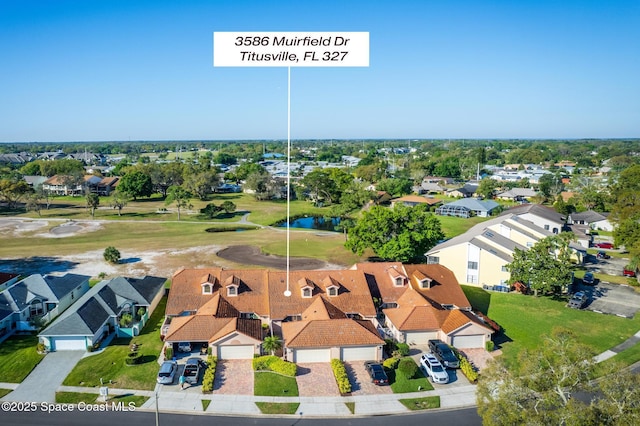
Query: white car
x=434, y=369
x=184, y=347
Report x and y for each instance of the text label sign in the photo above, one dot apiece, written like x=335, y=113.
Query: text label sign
x=290, y=49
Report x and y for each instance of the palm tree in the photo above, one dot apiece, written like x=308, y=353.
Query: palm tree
x=271, y=344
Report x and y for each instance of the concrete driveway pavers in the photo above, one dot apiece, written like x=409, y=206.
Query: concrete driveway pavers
x=316, y=379
x=233, y=377
x=361, y=381
x=44, y=380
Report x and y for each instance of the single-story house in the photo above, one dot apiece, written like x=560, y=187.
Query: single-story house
x=517, y=194
x=39, y=299
x=120, y=305
x=468, y=190
x=414, y=200
x=592, y=219
x=467, y=207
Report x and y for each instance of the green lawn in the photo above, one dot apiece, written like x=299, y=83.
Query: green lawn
x=18, y=356
x=525, y=319
x=4, y=392
x=453, y=226
x=278, y=407
x=272, y=384
x=425, y=403
x=93, y=398
x=400, y=383
x=110, y=364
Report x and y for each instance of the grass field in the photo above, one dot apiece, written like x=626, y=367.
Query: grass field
x=526, y=319
x=400, y=383
x=278, y=407
x=267, y=383
x=110, y=364
x=19, y=356
x=426, y=403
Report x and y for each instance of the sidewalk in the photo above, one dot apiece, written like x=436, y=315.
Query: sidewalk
x=175, y=400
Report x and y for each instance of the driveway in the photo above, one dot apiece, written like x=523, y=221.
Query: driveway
x=361, y=382
x=316, y=379
x=614, y=299
x=233, y=377
x=44, y=380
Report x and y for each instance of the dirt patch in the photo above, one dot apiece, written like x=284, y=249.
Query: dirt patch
x=20, y=226
x=251, y=255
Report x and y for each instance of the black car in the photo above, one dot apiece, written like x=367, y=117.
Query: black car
x=376, y=371
x=444, y=353
x=602, y=255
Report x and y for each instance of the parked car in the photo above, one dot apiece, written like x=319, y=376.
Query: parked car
x=167, y=372
x=628, y=273
x=588, y=278
x=434, y=369
x=184, y=347
x=604, y=245
x=444, y=353
x=192, y=370
x=376, y=372
x=578, y=300
x=602, y=255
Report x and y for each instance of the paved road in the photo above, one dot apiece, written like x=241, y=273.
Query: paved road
x=41, y=384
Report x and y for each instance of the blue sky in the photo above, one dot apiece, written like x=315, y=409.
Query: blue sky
x=142, y=70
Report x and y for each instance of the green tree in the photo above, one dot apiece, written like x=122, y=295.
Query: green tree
x=111, y=254
x=394, y=186
x=180, y=196
x=262, y=184
x=319, y=186
x=93, y=201
x=33, y=202
x=401, y=234
x=228, y=206
x=407, y=367
x=12, y=191
x=271, y=344
x=119, y=200
x=545, y=267
x=137, y=184
x=537, y=389
x=487, y=187
x=224, y=158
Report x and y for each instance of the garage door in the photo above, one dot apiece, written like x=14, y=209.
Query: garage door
x=69, y=344
x=360, y=353
x=462, y=342
x=420, y=338
x=312, y=355
x=235, y=352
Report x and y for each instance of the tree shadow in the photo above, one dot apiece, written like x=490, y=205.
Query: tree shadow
x=130, y=260
x=36, y=265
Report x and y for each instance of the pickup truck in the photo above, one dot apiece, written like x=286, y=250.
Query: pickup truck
x=443, y=353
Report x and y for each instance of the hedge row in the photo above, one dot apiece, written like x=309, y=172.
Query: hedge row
x=209, y=374
x=275, y=364
x=344, y=386
x=466, y=367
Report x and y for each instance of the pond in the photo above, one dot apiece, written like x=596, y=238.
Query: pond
x=313, y=222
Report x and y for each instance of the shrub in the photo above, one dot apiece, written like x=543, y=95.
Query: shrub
x=408, y=367
x=168, y=352
x=390, y=363
x=467, y=369
x=403, y=349
x=340, y=373
x=133, y=358
x=209, y=374
x=275, y=364
x=111, y=254
x=490, y=346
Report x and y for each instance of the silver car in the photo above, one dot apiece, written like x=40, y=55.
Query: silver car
x=167, y=372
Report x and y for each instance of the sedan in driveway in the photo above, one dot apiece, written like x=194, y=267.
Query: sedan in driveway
x=588, y=278
x=376, y=372
x=167, y=372
x=602, y=255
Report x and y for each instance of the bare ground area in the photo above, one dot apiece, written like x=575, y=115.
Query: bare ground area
x=161, y=262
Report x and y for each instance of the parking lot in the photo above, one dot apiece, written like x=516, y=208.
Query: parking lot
x=613, y=299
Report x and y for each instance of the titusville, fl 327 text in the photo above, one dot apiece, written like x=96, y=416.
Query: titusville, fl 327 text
x=332, y=53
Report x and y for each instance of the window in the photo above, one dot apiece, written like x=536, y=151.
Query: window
x=433, y=260
x=473, y=279
x=232, y=291
x=447, y=306
x=425, y=283
x=332, y=291
x=546, y=227
x=529, y=244
x=36, y=309
x=73, y=296
x=504, y=268
x=472, y=265
x=399, y=281
x=306, y=292
x=206, y=289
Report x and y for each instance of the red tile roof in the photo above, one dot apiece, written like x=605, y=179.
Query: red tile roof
x=330, y=333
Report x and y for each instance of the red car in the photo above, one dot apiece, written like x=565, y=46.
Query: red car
x=628, y=273
x=604, y=245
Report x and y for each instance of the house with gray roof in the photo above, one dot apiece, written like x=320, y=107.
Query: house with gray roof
x=38, y=298
x=467, y=207
x=543, y=216
x=592, y=219
x=120, y=305
x=517, y=194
